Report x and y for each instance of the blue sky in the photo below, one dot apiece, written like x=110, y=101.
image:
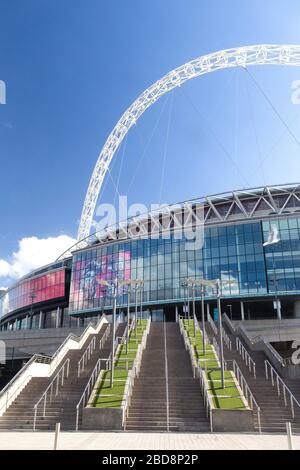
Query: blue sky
x=72, y=67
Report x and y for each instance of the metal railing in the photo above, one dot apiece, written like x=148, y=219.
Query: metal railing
x=217, y=347
x=229, y=323
x=245, y=356
x=275, y=354
x=197, y=372
x=55, y=358
x=86, y=356
x=214, y=327
x=134, y=372
x=19, y=381
x=104, y=337
x=212, y=323
x=245, y=389
x=95, y=375
x=206, y=397
x=282, y=389
x=89, y=386
x=48, y=393
x=206, y=339
x=9, y=393
x=266, y=346
x=90, y=349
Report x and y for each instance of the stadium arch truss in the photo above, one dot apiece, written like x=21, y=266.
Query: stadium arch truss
x=230, y=58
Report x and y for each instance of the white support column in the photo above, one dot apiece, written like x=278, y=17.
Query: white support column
x=40, y=320
x=57, y=317
x=278, y=309
x=242, y=311
x=176, y=313
x=27, y=322
x=207, y=308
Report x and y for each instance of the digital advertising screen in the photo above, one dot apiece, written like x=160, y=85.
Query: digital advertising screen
x=32, y=291
x=88, y=274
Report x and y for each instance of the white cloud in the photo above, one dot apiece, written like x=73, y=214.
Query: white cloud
x=33, y=253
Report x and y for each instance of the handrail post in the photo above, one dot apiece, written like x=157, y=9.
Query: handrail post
x=284, y=395
x=44, y=410
x=258, y=418
x=34, y=418
x=278, y=386
x=292, y=407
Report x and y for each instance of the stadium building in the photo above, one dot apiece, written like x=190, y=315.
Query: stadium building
x=186, y=318
x=236, y=226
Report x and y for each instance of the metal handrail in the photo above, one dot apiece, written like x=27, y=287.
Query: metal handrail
x=197, y=370
x=245, y=390
x=75, y=337
x=275, y=354
x=217, y=347
x=95, y=375
x=245, y=356
x=206, y=397
x=133, y=374
x=212, y=323
x=227, y=340
x=225, y=336
x=86, y=356
x=285, y=390
x=35, y=358
x=267, y=345
x=104, y=336
x=66, y=365
x=89, y=386
x=206, y=339
x=229, y=322
x=38, y=358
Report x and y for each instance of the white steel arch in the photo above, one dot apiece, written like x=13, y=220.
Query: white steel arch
x=262, y=54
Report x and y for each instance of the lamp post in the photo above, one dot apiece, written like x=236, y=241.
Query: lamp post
x=131, y=284
x=216, y=284
x=185, y=297
x=114, y=288
x=137, y=284
x=202, y=283
x=141, y=285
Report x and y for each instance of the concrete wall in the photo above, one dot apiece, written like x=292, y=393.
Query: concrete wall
x=98, y=419
x=272, y=330
x=232, y=420
x=37, y=341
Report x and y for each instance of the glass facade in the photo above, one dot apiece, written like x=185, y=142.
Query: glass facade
x=283, y=258
x=232, y=253
x=32, y=291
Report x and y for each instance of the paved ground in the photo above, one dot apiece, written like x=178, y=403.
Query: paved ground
x=143, y=441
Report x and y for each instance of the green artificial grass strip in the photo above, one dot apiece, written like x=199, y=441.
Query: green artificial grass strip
x=228, y=398
x=111, y=397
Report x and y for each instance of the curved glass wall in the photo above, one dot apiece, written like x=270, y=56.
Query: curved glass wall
x=232, y=253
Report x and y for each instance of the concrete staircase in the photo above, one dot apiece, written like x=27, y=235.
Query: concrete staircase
x=274, y=413
x=166, y=397
x=63, y=407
